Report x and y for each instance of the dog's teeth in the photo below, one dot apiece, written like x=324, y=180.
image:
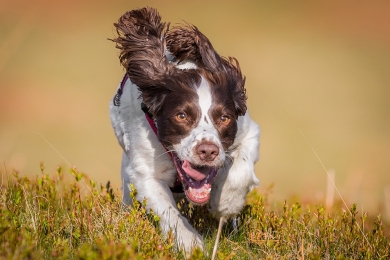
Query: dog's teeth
x=190, y=180
x=208, y=190
x=190, y=189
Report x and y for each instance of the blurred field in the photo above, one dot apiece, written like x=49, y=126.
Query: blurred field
x=325, y=65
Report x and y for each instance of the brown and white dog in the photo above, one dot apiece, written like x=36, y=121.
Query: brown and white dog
x=193, y=127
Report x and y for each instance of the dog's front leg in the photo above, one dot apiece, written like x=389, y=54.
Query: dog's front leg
x=159, y=198
x=237, y=177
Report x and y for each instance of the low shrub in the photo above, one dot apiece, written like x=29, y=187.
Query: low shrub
x=47, y=217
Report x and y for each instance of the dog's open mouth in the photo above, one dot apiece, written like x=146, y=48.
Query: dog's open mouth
x=196, y=181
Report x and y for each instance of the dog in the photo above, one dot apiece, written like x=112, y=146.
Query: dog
x=181, y=118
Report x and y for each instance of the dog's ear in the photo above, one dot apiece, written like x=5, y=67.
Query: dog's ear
x=189, y=43
x=236, y=82
x=141, y=40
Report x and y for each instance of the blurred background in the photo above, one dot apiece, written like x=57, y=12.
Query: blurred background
x=321, y=67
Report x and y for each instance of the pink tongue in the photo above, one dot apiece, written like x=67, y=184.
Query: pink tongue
x=196, y=174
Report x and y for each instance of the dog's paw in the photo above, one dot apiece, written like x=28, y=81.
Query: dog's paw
x=188, y=240
x=186, y=237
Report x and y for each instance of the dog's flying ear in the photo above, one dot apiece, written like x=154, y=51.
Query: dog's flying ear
x=189, y=43
x=142, y=45
x=141, y=40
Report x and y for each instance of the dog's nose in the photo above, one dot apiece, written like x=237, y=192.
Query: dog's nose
x=207, y=151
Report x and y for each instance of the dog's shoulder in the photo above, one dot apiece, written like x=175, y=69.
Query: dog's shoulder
x=247, y=128
x=125, y=112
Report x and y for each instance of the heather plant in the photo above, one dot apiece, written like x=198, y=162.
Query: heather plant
x=48, y=217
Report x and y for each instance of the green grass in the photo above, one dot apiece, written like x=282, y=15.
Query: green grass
x=47, y=217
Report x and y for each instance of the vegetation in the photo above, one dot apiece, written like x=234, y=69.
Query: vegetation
x=45, y=217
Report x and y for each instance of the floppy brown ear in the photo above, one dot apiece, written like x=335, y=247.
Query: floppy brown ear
x=141, y=40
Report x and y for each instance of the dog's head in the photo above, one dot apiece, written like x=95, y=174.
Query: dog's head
x=195, y=108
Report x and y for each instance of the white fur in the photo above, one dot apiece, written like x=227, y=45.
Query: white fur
x=205, y=130
x=147, y=165
x=237, y=177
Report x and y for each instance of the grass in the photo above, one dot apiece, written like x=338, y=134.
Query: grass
x=46, y=217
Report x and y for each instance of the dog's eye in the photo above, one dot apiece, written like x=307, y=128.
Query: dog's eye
x=225, y=120
x=181, y=116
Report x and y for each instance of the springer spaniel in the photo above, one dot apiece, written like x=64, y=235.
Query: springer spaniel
x=180, y=116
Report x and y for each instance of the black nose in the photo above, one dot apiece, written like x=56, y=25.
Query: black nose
x=207, y=151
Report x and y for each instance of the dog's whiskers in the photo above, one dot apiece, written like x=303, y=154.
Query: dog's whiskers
x=187, y=153
x=166, y=152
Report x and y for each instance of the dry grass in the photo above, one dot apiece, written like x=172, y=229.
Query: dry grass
x=45, y=218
